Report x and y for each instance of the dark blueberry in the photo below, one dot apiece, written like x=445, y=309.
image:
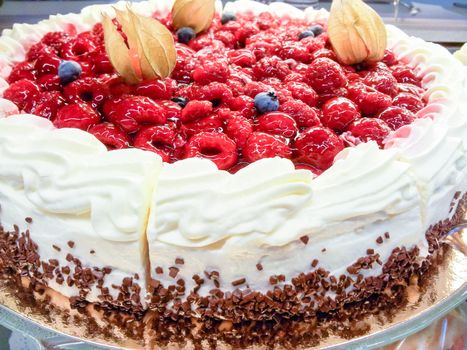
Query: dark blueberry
x=316, y=29
x=181, y=101
x=69, y=71
x=306, y=34
x=227, y=17
x=185, y=34
x=266, y=102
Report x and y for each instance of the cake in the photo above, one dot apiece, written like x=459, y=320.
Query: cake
x=257, y=188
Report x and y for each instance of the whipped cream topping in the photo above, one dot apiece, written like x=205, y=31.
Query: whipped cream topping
x=230, y=222
x=69, y=172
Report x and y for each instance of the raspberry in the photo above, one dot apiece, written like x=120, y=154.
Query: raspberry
x=369, y=129
x=369, y=100
x=382, y=81
x=77, y=47
x=294, y=77
x=325, y=75
x=86, y=90
x=339, y=112
x=129, y=112
x=245, y=105
x=408, y=101
x=115, y=85
x=211, y=123
x=209, y=71
x=323, y=53
x=271, y=67
x=195, y=110
x=277, y=123
x=227, y=38
x=313, y=44
x=80, y=116
x=323, y=98
x=242, y=57
x=217, y=147
x=396, y=117
x=260, y=145
x=100, y=62
x=47, y=64
x=410, y=88
x=23, y=70
x=20, y=92
x=239, y=129
x=37, y=50
x=217, y=93
x=156, y=89
x=263, y=49
x=303, y=92
x=294, y=50
x=318, y=146
x=389, y=58
x=55, y=40
x=172, y=109
x=49, y=82
x=304, y=115
x=46, y=104
x=266, y=20
x=245, y=31
x=158, y=139
x=404, y=74
x=110, y=135
x=254, y=88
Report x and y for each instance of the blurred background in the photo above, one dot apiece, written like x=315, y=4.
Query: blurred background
x=441, y=21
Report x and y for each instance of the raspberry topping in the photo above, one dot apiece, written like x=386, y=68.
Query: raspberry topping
x=249, y=87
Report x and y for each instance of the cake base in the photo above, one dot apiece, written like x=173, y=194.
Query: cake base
x=419, y=286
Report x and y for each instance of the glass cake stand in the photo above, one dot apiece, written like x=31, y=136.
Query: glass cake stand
x=447, y=291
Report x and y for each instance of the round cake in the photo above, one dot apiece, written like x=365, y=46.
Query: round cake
x=237, y=174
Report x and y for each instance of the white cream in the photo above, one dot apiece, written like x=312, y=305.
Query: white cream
x=229, y=223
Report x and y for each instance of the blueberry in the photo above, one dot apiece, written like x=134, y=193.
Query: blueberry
x=181, y=101
x=306, y=34
x=227, y=17
x=185, y=34
x=69, y=71
x=266, y=102
x=316, y=29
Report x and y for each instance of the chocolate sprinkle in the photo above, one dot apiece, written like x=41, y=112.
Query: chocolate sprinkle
x=259, y=267
x=305, y=239
x=238, y=282
x=71, y=244
x=28, y=220
x=379, y=240
x=173, y=271
x=179, y=261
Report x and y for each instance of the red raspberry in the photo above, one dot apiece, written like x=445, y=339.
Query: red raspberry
x=325, y=75
x=321, y=53
x=47, y=64
x=227, y=38
x=245, y=31
x=303, y=92
x=172, y=109
x=242, y=57
x=304, y=115
x=211, y=123
x=260, y=145
x=158, y=139
x=217, y=93
x=23, y=70
x=239, y=129
x=389, y=58
x=206, y=41
x=277, y=123
x=382, y=81
x=263, y=49
x=110, y=135
x=115, y=85
x=408, y=101
x=339, y=112
x=295, y=77
x=253, y=88
x=294, y=50
x=37, y=50
x=99, y=61
x=20, y=92
x=369, y=100
x=323, y=98
x=129, y=112
x=80, y=116
x=55, y=40
x=211, y=70
x=396, y=117
x=318, y=146
x=182, y=72
x=369, y=129
x=404, y=74
x=86, y=90
x=77, y=47
x=266, y=20
x=49, y=82
x=245, y=105
x=195, y=110
x=214, y=146
x=410, y=88
x=46, y=104
x=271, y=67
x=313, y=44
x=156, y=89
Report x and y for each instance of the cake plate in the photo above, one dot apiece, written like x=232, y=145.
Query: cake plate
x=447, y=290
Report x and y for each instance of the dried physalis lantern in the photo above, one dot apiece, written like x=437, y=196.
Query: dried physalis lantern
x=148, y=52
x=357, y=33
x=195, y=14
